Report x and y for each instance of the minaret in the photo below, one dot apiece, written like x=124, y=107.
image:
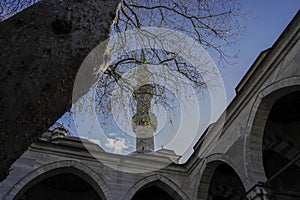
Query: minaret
x=144, y=122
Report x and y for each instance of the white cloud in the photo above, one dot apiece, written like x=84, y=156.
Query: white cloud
x=117, y=145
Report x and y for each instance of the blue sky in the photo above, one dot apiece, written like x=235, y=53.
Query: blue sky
x=264, y=21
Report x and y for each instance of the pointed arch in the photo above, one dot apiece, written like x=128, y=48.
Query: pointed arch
x=256, y=124
x=212, y=162
x=162, y=182
x=56, y=168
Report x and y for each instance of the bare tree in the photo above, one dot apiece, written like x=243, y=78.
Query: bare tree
x=10, y=7
x=212, y=23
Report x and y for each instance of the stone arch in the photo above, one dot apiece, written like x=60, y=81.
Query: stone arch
x=256, y=123
x=166, y=184
x=211, y=163
x=82, y=171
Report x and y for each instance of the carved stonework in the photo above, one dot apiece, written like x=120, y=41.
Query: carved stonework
x=259, y=192
x=144, y=122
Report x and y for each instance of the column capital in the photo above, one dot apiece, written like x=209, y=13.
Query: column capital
x=258, y=192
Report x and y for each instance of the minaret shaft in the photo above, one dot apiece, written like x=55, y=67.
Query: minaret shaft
x=144, y=122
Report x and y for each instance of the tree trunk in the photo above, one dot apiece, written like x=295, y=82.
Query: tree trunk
x=42, y=49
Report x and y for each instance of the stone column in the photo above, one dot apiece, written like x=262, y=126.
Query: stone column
x=259, y=192
x=144, y=122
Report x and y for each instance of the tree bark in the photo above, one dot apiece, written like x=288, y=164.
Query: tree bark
x=42, y=49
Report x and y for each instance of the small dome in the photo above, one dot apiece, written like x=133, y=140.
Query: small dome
x=60, y=132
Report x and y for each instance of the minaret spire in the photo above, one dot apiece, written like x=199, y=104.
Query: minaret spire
x=144, y=122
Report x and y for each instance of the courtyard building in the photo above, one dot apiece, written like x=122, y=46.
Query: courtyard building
x=254, y=154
